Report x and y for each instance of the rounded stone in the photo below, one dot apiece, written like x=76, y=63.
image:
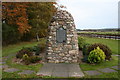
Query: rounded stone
x=49, y=53
x=56, y=61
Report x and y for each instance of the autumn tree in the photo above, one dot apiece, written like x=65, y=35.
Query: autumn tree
x=39, y=15
x=23, y=20
x=15, y=14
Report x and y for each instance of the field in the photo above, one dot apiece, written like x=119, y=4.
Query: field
x=107, y=33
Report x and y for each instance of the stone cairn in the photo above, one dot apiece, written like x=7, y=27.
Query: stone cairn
x=62, y=52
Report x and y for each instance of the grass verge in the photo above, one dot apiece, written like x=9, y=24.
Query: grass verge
x=106, y=64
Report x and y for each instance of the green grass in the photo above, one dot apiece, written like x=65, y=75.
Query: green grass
x=106, y=64
x=12, y=49
x=109, y=33
x=35, y=67
x=105, y=75
x=99, y=77
x=8, y=76
x=112, y=44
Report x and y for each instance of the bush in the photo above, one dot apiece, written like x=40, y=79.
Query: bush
x=84, y=51
x=25, y=59
x=85, y=48
x=40, y=48
x=29, y=51
x=105, y=49
x=96, y=56
x=25, y=56
x=81, y=42
x=28, y=60
x=34, y=59
x=36, y=49
x=24, y=51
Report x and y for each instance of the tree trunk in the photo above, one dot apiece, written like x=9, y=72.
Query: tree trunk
x=38, y=37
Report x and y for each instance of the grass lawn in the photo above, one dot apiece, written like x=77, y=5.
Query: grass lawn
x=112, y=44
x=108, y=76
x=12, y=49
x=12, y=76
x=107, y=64
x=35, y=67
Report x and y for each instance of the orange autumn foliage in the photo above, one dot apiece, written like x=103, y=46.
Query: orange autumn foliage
x=16, y=14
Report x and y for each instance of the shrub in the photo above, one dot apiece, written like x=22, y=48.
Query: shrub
x=105, y=49
x=25, y=56
x=40, y=48
x=29, y=51
x=81, y=42
x=96, y=56
x=24, y=51
x=85, y=48
x=34, y=59
x=84, y=51
x=25, y=59
x=36, y=49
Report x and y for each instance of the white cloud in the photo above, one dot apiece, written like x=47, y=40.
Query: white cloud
x=92, y=13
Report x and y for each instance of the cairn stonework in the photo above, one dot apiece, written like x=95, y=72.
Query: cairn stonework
x=62, y=42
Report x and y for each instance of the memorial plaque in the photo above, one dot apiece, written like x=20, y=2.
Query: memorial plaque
x=61, y=35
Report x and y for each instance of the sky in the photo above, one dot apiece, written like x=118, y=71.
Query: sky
x=93, y=14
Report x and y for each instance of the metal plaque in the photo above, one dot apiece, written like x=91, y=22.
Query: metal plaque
x=61, y=35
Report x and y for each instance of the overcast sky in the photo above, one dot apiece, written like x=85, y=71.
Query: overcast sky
x=93, y=14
